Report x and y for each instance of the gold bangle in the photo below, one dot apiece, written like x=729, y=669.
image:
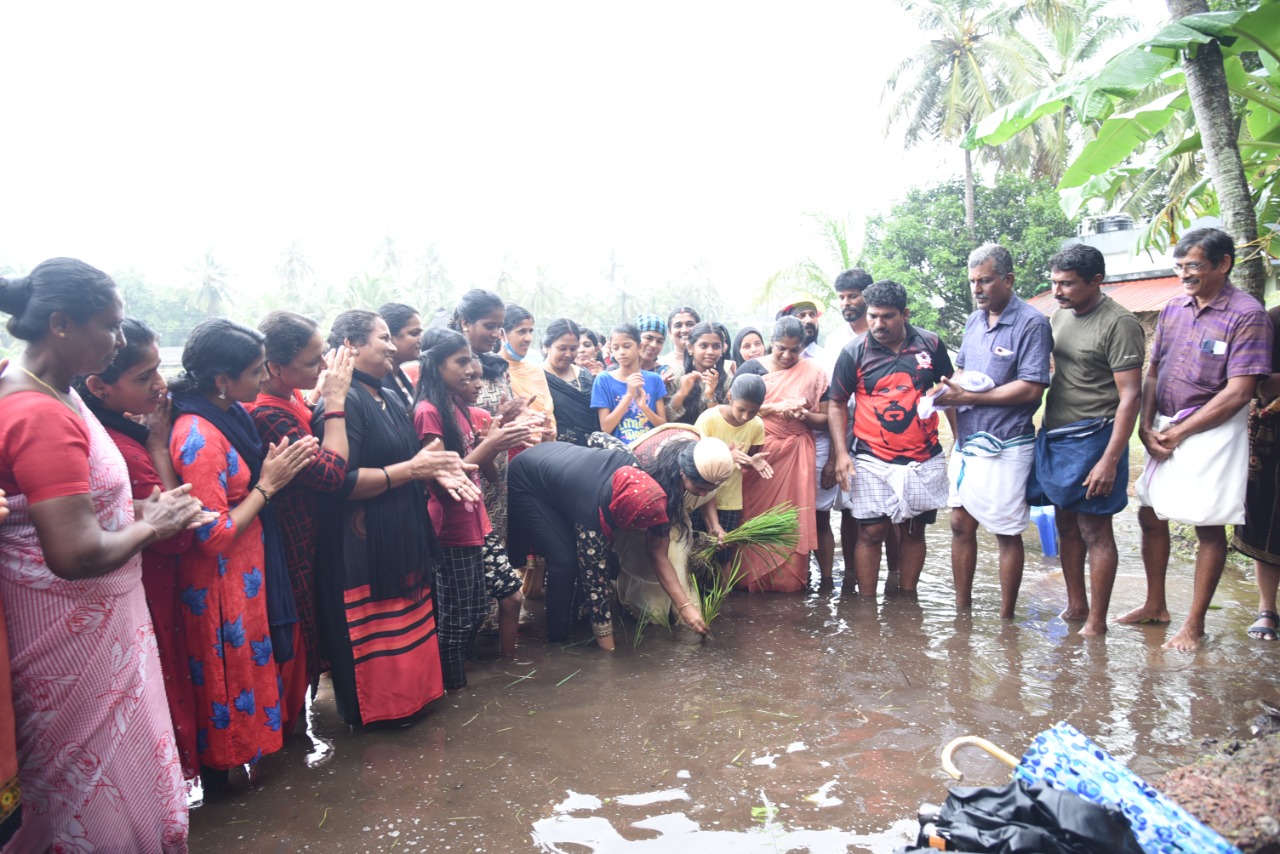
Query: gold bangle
x=685, y=605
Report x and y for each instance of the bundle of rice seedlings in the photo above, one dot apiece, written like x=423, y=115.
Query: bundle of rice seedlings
x=772, y=534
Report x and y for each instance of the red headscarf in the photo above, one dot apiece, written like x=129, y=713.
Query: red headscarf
x=638, y=503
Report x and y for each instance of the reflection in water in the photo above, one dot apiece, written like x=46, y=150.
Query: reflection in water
x=676, y=832
x=870, y=690
x=321, y=747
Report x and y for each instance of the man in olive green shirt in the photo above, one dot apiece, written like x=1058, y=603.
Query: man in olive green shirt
x=1082, y=453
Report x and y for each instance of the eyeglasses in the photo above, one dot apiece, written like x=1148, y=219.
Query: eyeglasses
x=1191, y=266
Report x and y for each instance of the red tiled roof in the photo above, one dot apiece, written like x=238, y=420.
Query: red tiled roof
x=1138, y=295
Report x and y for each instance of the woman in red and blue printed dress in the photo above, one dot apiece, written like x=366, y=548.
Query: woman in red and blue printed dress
x=238, y=612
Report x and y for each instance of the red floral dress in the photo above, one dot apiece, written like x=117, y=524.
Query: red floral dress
x=224, y=607
x=160, y=581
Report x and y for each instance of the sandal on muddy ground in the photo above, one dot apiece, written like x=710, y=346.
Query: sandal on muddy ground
x=1265, y=633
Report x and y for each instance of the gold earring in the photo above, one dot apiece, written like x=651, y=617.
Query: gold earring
x=62, y=335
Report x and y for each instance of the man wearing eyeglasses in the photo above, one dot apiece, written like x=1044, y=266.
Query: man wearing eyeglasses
x=1211, y=346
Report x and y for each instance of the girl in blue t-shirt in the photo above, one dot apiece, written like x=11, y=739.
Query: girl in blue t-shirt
x=627, y=399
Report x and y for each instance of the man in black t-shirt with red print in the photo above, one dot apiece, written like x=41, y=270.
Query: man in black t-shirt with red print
x=899, y=476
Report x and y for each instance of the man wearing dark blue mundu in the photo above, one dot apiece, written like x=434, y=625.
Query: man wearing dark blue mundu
x=1082, y=452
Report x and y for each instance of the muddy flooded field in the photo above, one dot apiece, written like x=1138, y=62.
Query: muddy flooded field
x=809, y=723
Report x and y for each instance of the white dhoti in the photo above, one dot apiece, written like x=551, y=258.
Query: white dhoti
x=1203, y=482
x=824, y=499
x=988, y=478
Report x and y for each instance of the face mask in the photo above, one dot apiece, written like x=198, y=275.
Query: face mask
x=515, y=357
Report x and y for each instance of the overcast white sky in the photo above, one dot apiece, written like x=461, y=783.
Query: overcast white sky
x=510, y=135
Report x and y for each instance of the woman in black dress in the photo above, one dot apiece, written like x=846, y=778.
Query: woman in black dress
x=378, y=551
x=567, y=502
x=569, y=383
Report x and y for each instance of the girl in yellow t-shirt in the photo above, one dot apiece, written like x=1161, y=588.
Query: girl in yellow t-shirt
x=738, y=425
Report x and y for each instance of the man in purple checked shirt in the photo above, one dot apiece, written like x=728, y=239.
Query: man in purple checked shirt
x=1209, y=350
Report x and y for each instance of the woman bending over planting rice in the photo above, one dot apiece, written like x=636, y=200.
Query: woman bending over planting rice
x=567, y=502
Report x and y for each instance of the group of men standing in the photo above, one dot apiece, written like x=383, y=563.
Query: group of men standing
x=887, y=472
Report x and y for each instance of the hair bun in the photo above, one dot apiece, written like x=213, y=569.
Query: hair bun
x=15, y=293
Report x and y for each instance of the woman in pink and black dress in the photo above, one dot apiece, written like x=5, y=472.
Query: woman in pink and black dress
x=99, y=770
x=296, y=360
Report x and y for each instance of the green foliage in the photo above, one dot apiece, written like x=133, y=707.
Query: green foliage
x=650, y=618
x=921, y=244
x=982, y=54
x=1144, y=153
x=211, y=287
x=171, y=311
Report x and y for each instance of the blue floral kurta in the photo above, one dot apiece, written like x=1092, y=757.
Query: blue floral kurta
x=224, y=607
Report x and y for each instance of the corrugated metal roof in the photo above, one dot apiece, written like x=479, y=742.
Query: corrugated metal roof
x=1139, y=295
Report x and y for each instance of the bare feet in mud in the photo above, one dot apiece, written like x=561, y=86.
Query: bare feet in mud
x=1187, y=639
x=1074, y=615
x=1145, y=616
x=1090, y=629
x=605, y=642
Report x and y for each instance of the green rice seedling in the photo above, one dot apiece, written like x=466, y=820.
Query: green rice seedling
x=649, y=618
x=711, y=594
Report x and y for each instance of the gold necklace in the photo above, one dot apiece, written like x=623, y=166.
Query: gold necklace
x=61, y=399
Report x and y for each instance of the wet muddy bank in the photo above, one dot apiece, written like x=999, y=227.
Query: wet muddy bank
x=1236, y=792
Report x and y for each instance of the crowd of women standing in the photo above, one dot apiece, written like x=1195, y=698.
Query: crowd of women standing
x=181, y=560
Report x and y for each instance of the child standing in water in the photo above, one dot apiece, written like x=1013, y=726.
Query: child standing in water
x=628, y=400
x=443, y=413
x=502, y=584
x=738, y=425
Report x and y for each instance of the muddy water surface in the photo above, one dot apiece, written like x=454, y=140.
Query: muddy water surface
x=808, y=723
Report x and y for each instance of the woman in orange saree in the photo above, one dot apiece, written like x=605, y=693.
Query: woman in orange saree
x=793, y=406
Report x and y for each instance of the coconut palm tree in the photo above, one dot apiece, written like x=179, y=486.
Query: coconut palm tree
x=388, y=258
x=295, y=272
x=979, y=56
x=813, y=278
x=1169, y=146
x=368, y=291
x=952, y=81
x=1061, y=37
x=212, y=292
x=431, y=285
